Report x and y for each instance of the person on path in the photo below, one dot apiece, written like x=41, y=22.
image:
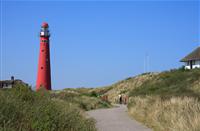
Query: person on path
x=120, y=99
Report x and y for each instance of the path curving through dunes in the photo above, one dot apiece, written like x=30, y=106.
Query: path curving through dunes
x=115, y=119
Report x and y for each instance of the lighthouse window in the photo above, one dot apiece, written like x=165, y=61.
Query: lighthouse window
x=42, y=33
x=41, y=67
x=45, y=41
x=42, y=50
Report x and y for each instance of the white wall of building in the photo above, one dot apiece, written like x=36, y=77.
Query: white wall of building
x=195, y=64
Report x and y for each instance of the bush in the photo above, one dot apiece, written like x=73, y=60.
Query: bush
x=23, y=109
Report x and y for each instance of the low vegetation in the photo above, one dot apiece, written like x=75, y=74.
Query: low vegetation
x=171, y=83
x=84, y=98
x=173, y=114
x=24, y=109
x=125, y=86
x=169, y=101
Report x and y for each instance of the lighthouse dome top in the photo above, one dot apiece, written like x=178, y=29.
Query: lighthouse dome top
x=45, y=25
x=44, y=31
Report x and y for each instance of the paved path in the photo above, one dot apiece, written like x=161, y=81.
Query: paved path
x=115, y=119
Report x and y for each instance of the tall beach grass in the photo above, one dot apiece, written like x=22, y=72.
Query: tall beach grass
x=173, y=114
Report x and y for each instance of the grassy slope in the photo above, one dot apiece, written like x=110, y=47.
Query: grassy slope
x=171, y=83
x=125, y=86
x=24, y=109
x=176, y=82
x=169, y=101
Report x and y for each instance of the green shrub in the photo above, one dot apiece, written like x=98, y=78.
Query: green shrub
x=84, y=100
x=24, y=109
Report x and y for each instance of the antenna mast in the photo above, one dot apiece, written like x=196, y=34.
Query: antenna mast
x=146, y=63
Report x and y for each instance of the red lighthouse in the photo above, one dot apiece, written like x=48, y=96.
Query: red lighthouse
x=44, y=69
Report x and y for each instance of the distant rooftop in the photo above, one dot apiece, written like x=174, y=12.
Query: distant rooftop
x=10, y=83
x=194, y=55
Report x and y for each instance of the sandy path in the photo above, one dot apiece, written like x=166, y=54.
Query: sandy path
x=115, y=119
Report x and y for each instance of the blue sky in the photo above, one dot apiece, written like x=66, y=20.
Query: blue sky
x=96, y=43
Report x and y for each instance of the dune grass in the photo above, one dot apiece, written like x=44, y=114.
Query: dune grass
x=26, y=110
x=84, y=98
x=169, y=101
x=174, y=114
x=171, y=83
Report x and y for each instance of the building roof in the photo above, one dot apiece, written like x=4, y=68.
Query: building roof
x=11, y=82
x=194, y=55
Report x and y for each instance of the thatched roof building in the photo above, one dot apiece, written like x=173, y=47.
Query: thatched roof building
x=192, y=60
